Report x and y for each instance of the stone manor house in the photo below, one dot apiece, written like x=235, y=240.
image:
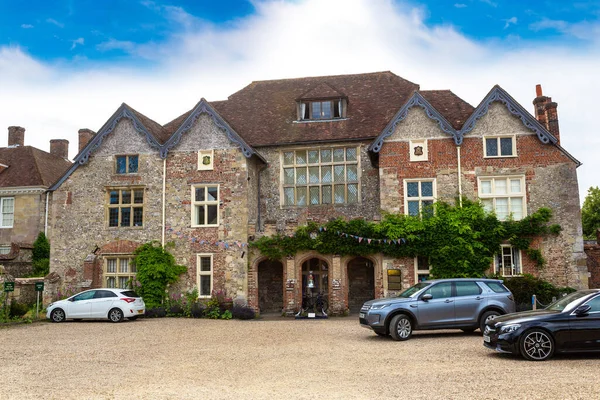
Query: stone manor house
x=280, y=153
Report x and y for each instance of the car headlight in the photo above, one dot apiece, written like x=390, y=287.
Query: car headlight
x=379, y=306
x=50, y=305
x=509, y=328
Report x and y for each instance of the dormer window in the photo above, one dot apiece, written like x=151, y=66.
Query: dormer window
x=321, y=110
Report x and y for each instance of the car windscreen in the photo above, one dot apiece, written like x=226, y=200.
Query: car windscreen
x=414, y=289
x=130, y=293
x=564, y=302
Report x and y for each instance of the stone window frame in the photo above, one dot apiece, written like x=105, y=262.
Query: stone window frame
x=421, y=262
x=5, y=249
x=8, y=217
x=201, y=160
x=420, y=198
x=132, y=205
x=200, y=274
x=128, y=158
x=204, y=203
x=498, y=139
x=490, y=200
x=312, y=186
x=508, y=253
x=116, y=275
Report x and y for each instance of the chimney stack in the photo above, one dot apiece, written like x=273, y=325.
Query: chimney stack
x=546, y=112
x=85, y=135
x=60, y=148
x=16, y=136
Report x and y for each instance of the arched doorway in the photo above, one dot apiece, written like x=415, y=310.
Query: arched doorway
x=361, y=282
x=315, y=278
x=270, y=286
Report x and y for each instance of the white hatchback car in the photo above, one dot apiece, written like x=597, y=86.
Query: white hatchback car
x=114, y=304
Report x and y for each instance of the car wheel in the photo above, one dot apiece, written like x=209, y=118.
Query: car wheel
x=486, y=317
x=536, y=345
x=57, y=315
x=401, y=327
x=115, y=315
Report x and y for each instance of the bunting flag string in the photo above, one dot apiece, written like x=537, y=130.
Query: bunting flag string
x=219, y=243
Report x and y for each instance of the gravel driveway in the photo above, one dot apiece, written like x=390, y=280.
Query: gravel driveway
x=271, y=359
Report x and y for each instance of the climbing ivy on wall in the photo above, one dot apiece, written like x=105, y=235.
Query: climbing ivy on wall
x=460, y=241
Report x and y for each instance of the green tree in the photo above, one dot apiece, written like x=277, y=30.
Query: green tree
x=590, y=213
x=156, y=269
x=41, y=256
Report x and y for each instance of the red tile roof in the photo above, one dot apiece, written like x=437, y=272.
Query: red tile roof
x=29, y=166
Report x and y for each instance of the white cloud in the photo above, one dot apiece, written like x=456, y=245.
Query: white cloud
x=296, y=39
x=584, y=30
x=510, y=21
x=490, y=2
x=26, y=26
x=55, y=22
x=76, y=42
x=460, y=5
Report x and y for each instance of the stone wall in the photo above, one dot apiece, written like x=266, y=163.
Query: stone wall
x=79, y=217
x=29, y=214
x=286, y=217
x=550, y=176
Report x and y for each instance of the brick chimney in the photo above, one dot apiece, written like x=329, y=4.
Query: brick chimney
x=60, y=148
x=85, y=135
x=16, y=136
x=546, y=112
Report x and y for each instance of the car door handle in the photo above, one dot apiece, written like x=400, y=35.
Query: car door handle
x=448, y=301
x=478, y=298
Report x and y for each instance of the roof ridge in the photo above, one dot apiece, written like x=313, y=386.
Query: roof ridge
x=323, y=76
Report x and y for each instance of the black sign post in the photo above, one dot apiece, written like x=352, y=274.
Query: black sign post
x=39, y=287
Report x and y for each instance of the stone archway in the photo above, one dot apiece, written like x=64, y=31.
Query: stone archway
x=270, y=286
x=361, y=282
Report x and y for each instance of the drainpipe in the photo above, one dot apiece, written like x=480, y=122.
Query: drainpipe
x=164, y=186
x=46, y=217
x=459, y=177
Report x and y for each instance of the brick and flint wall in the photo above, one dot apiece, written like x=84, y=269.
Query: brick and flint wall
x=550, y=176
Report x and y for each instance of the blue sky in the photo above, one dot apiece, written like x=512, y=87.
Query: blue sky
x=106, y=30
x=66, y=64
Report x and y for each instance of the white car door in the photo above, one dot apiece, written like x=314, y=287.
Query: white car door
x=103, y=300
x=80, y=306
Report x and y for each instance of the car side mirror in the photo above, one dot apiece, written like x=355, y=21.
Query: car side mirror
x=583, y=310
x=426, y=297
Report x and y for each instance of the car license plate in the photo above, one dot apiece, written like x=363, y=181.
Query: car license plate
x=140, y=311
x=486, y=338
x=361, y=315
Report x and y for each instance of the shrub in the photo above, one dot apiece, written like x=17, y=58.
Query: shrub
x=212, y=310
x=156, y=269
x=197, y=310
x=242, y=312
x=157, y=312
x=524, y=287
x=18, y=309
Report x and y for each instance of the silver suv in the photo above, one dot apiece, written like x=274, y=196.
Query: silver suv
x=465, y=303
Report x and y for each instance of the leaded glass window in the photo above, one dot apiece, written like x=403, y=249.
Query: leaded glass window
x=125, y=207
x=321, y=176
x=126, y=164
x=419, y=196
x=500, y=146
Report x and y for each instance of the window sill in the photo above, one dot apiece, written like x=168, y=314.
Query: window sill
x=126, y=227
x=307, y=121
x=511, y=156
x=291, y=207
x=204, y=226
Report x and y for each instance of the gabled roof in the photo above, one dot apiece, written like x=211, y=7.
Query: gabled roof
x=264, y=113
x=162, y=138
x=29, y=166
x=322, y=91
x=458, y=118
